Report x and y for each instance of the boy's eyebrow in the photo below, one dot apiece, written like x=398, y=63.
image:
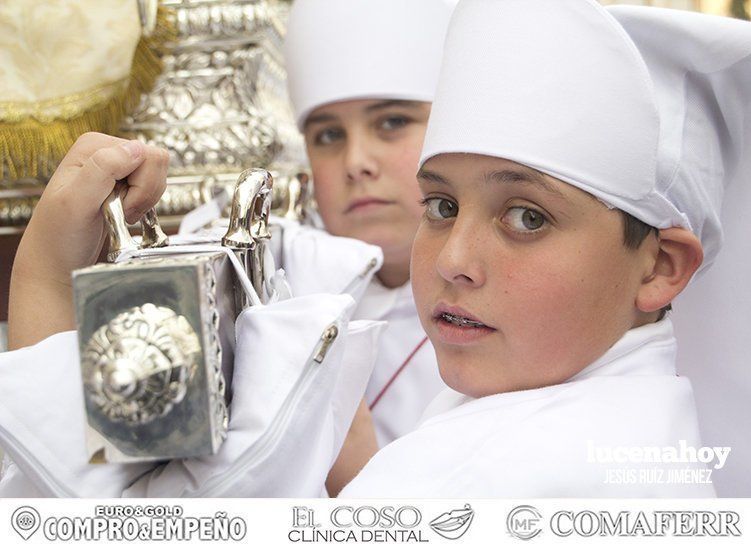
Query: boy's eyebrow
x=524, y=176
x=527, y=176
x=388, y=103
x=427, y=175
x=320, y=118
x=383, y=104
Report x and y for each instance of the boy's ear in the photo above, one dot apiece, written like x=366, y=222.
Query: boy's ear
x=679, y=255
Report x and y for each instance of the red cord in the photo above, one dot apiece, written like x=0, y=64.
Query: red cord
x=398, y=371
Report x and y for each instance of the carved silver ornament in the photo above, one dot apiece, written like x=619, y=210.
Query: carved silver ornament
x=138, y=366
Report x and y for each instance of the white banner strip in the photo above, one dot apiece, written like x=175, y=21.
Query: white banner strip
x=284, y=521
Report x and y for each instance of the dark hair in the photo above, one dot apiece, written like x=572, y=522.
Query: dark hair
x=635, y=232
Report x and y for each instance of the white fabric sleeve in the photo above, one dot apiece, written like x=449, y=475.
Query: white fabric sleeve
x=282, y=400
x=43, y=422
x=14, y=483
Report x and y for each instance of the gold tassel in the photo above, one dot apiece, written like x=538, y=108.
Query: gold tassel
x=32, y=149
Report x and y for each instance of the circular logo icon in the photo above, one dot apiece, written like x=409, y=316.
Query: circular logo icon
x=524, y=522
x=25, y=520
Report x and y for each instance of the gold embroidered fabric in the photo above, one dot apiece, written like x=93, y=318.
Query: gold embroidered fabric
x=56, y=48
x=69, y=67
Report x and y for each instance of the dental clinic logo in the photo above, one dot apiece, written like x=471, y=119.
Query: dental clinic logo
x=25, y=521
x=453, y=524
x=683, y=464
x=362, y=523
x=524, y=522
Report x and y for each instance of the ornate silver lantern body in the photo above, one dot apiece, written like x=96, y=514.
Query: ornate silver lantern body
x=153, y=336
x=156, y=332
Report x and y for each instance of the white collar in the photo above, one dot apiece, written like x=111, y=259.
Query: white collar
x=621, y=359
x=379, y=300
x=648, y=350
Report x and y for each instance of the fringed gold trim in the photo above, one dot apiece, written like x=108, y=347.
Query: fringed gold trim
x=64, y=107
x=31, y=148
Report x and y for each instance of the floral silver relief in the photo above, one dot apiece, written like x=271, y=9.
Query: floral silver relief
x=137, y=367
x=220, y=105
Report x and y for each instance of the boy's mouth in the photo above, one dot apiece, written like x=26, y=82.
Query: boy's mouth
x=456, y=326
x=366, y=203
x=460, y=321
x=457, y=316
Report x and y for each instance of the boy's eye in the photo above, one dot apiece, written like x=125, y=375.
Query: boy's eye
x=438, y=209
x=393, y=122
x=524, y=219
x=328, y=136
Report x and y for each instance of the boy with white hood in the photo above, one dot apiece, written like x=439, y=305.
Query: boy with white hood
x=552, y=123
x=361, y=76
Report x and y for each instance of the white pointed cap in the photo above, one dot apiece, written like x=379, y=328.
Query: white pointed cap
x=645, y=108
x=339, y=50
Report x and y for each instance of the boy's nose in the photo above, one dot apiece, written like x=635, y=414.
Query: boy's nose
x=360, y=161
x=460, y=261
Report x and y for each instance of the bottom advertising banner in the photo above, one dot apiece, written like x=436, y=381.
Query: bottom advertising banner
x=282, y=521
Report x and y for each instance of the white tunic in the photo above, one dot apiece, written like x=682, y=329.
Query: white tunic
x=405, y=378
x=541, y=442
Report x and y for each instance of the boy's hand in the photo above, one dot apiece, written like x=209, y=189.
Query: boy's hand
x=66, y=231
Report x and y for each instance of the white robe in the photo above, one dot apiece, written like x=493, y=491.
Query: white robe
x=528, y=443
x=400, y=396
x=402, y=403
x=536, y=443
x=282, y=399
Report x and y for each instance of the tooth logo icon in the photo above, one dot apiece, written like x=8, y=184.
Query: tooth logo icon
x=452, y=525
x=25, y=520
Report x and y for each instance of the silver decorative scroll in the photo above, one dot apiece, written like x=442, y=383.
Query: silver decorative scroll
x=221, y=104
